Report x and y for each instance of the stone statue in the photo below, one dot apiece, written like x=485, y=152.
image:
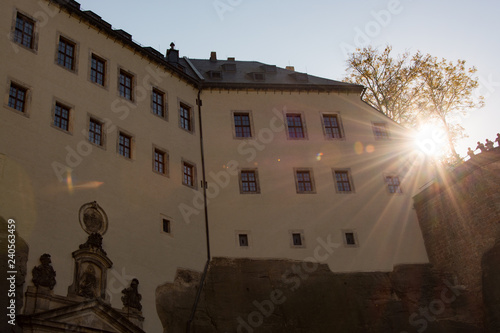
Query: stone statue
x=470, y=152
x=497, y=140
x=481, y=147
x=94, y=241
x=44, y=274
x=88, y=283
x=489, y=144
x=131, y=297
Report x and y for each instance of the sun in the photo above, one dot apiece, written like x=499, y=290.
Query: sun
x=431, y=140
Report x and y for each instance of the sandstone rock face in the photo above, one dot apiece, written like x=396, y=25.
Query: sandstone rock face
x=174, y=301
x=243, y=295
x=459, y=216
x=21, y=258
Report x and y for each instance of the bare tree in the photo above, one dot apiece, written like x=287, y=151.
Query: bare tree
x=410, y=88
x=392, y=84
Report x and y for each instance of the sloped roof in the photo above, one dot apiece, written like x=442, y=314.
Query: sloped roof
x=206, y=73
x=254, y=74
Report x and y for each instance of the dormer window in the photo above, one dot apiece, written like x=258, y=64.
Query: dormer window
x=229, y=67
x=300, y=77
x=215, y=75
x=258, y=76
x=269, y=68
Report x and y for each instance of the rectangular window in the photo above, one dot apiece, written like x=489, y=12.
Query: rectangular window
x=159, y=163
x=242, y=125
x=188, y=174
x=125, y=145
x=125, y=85
x=185, y=117
x=166, y=226
x=158, y=102
x=97, y=70
x=95, y=132
x=61, y=117
x=304, y=181
x=332, y=126
x=17, y=97
x=249, y=181
x=296, y=239
x=380, y=131
x=350, y=239
x=393, y=184
x=243, y=239
x=295, y=126
x=24, y=31
x=343, y=181
x=66, y=53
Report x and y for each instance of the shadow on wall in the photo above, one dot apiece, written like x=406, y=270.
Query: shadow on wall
x=14, y=252
x=491, y=287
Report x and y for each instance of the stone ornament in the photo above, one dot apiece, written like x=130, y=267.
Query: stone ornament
x=131, y=297
x=93, y=219
x=94, y=241
x=88, y=283
x=44, y=275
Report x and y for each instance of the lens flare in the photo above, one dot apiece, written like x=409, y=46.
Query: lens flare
x=431, y=140
x=69, y=181
x=358, y=148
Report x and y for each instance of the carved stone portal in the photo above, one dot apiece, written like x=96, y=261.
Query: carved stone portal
x=91, y=266
x=87, y=307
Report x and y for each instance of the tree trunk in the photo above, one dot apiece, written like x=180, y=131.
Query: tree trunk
x=453, y=152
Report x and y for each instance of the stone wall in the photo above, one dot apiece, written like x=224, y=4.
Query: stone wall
x=243, y=295
x=459, y=216
x=459, y=291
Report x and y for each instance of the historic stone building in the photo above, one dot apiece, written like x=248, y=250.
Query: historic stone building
x=126, y=171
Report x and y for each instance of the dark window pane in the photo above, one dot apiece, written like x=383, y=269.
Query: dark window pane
x=295, y=129
x=61, y=117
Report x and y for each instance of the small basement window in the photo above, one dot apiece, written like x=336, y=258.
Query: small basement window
x=243, y=239
x=349, y=238
x=297, y=239
x=166, y=226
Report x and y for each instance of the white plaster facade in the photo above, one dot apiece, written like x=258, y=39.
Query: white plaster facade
x=47, y=174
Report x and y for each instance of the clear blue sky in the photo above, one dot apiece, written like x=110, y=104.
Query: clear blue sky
x=313, y=35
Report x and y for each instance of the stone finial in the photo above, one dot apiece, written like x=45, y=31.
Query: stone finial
x=172, y=45
x=131, y=297
x=44, y=275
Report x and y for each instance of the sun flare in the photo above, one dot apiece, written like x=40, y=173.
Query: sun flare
x=431, y=140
